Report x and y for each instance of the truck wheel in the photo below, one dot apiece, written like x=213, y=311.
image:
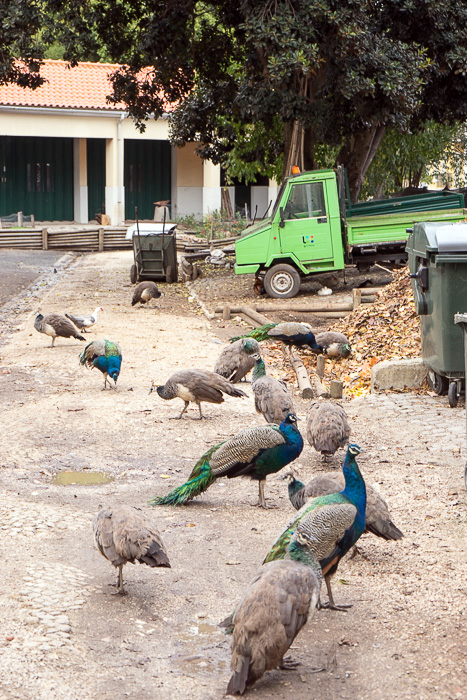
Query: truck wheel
x=282, y=281
x=438, y=383
x=453, y=396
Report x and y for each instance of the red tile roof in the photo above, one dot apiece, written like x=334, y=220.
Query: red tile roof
x=83, y=87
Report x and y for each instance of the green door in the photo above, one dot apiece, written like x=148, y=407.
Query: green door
x=37, y=177
x=147, y=176
x=306, y=231
x=95, y=153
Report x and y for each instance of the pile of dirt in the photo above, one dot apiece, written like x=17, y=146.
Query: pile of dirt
x=384, y=330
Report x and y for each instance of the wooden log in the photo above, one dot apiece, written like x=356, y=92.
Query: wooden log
x=303, y=379
x=368, y=291
x=309, y=308
x=259, y=319
x=318, y=387
x=233, y=310
x=370, y=299
x=44, y=239
x=336, y=389
x=100, y=240
x=226, y=312
x=356, y=298
x=320, y=360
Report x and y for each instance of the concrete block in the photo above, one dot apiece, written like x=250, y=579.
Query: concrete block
x=397, y=374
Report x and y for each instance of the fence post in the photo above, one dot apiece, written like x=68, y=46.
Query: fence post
x=44, y=239
x=100, y=234
x=20, y=219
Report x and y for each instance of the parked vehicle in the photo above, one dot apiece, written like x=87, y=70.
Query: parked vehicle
x=314, y=229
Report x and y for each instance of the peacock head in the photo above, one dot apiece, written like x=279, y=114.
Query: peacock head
x=250, y=346
x=346, y=350
x=114, y=375
x=290, y=419
x=354, y=450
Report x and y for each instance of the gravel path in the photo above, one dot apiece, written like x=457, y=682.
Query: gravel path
x=65, y=636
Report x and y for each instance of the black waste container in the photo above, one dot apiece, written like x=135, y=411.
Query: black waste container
x=437, y=255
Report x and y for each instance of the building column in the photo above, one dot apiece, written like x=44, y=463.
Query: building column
x=212, y=200
x=114, y=189
x=80, y=181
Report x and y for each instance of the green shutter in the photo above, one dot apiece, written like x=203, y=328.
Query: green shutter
x=37, y=177
x=95, y=149
x=147, y=176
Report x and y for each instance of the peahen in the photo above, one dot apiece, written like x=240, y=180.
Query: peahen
x=281, y=596
x=83, y=322
x=354, y=492
x=327, y=428
x=334, y=344
x=272, y=399
x=56, y=326
x=196, y=385
x=254, y=452
x=106, y=356
x=123, y=534
x=236, y=360
x=377, y=516
x=144, y=292
x=289, y=332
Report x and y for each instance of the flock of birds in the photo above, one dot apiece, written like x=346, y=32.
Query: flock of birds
x=334, y=509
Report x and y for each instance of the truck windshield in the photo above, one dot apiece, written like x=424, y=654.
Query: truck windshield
x=278, y=199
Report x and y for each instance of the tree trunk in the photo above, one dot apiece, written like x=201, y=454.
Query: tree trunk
x=356, y=155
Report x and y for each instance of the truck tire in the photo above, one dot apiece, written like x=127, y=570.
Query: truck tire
x=282, y=281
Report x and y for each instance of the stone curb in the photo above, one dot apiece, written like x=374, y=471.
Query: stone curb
x=398, y=374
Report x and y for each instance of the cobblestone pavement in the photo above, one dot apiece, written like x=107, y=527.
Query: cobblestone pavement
x=65, y=636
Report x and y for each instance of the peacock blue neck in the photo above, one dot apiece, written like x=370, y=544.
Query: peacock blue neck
x=311, y=341
x=303, y=554
x=355, y=491
x=259, y=370
x=291, y=434
x=294, y=487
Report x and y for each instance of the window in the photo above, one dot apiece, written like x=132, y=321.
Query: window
x=305, y=201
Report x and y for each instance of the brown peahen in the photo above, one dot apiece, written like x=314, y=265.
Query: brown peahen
x=236, y=360
x=281, y=596
x=56, y=326
x=272, y=398
x=144, y=292
x=124, y=534
x=327, y=427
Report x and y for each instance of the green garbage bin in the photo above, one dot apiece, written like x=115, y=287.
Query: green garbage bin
x=437, y=255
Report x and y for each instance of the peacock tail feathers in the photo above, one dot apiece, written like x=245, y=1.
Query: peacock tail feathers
x=258, y=334
x=192, y=488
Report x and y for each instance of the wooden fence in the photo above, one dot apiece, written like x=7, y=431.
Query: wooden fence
x=85, y=240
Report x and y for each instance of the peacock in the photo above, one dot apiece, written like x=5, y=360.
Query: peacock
x=327, y=428
x=334, y=344
x=377, y=516
x=236, y=360
x=282, y=595
x=289, y=332
x=123, y=534
x=272, y=399
x=56, y=326
x=83, y=322
x=144, y=292
x=196, y=385
x=106, y=356
x=254, y=452
x=354, y=492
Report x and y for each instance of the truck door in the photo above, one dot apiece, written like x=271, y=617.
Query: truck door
x=306, y=231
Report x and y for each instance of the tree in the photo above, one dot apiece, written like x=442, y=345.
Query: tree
x=299, y=73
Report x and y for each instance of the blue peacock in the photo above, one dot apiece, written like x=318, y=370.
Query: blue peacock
x=106, y=356
x=254, y=452
x=289, y=332
x=354, y=493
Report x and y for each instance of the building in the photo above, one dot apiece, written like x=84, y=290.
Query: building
x=66, y=154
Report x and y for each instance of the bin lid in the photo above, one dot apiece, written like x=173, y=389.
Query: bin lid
x=439, y=237
x=149, y=229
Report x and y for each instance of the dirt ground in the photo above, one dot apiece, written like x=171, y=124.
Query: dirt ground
x=65, y=636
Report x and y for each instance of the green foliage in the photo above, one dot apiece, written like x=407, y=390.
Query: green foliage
x=215, y=225
x=409, y=159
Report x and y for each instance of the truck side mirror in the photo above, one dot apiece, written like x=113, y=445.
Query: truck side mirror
x=282, y=215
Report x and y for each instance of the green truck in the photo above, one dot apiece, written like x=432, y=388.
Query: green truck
x=314, y=229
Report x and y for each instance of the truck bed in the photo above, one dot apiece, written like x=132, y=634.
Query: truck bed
x=419, y=202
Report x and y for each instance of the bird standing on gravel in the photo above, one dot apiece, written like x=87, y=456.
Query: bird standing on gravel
x=289, y=332
x=196, y=386
x=144, y=292
x=272, y=399
x=327, y=428
x=83, y=322
x=106, y=356
x=377, y=516
x=281, y=596
x=123, y=534
x=57, y=326
x=354, y=493
x=236, y=360
x=254, y=452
